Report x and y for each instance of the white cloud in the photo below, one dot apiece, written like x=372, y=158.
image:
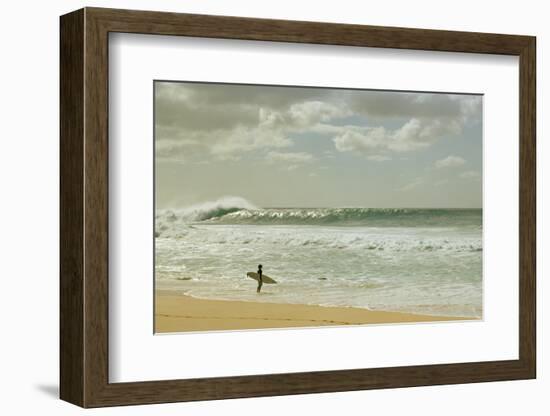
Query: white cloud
x=226, y=121
x=308, y=114
x=429, y=118
x=469, y=174
x=176, y=150
x=292, y=158
x=235, y=130
x=450, y=162
x=387, y=104
x=378, y=158
x=413, y=135
x=412, y=185
x=233, y=143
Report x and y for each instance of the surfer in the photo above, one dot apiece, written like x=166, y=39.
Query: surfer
x=260, y=282
x=261, y=278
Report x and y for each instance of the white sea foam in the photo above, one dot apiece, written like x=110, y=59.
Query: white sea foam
x=174, y=222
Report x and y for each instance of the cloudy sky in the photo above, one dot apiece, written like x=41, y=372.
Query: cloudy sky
x=316, y=147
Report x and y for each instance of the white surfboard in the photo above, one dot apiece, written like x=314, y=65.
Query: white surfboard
x=265, y=279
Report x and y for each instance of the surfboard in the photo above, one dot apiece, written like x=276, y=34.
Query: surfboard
x=265, y=279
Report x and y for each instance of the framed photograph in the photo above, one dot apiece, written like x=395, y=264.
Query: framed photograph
x=254, y=207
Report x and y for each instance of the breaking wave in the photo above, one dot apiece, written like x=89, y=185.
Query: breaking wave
x=207, y=210
x=236, y=210
x=352, y=216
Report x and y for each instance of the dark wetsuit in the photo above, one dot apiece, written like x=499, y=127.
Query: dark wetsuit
x=260, y=282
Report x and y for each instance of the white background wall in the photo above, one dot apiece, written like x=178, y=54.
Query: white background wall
x=29, y=209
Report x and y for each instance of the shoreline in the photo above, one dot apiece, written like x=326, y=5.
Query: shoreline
x=184, y=313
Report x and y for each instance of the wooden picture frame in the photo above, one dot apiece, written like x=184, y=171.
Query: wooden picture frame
x=84, y=207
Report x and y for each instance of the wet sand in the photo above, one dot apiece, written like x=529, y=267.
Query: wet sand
x=180, y=313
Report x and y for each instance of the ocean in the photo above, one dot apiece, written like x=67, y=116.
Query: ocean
x=425, y=261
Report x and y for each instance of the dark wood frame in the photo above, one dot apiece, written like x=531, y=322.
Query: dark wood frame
x=84, y=207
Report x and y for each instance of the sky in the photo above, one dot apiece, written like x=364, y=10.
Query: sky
x=281, y=146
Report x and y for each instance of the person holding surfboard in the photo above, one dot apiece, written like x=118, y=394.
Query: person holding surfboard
x=260, y=281
x=261, y=278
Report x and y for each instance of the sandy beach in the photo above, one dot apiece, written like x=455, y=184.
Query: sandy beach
x=180, y=313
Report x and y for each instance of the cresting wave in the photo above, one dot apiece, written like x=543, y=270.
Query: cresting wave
x=236, y=210
x=206, y=210
x=352, y=216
